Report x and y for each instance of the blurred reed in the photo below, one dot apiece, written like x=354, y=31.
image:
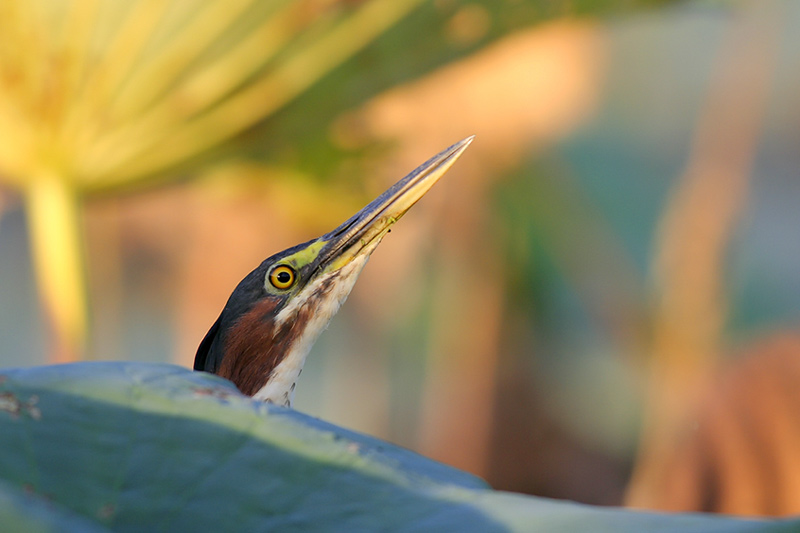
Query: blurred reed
x=699, y=222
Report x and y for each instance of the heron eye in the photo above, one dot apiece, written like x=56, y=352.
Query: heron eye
x=282, y=277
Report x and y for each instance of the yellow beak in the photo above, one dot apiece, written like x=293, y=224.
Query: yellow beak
x=363, y=231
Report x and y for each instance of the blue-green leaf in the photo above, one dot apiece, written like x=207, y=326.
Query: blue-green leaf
x=133, y=447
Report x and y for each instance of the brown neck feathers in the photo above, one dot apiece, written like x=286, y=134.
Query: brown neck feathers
x=251, y=350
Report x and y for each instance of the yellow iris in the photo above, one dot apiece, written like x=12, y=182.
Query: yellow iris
x=282, y=277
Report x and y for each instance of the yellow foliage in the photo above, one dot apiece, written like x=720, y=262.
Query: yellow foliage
x=100, y=95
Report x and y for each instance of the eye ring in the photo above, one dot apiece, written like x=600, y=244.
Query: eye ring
x=282, y=277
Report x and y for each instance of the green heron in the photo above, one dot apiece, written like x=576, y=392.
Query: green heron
x=262, y=337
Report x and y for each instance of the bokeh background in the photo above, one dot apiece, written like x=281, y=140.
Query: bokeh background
x=599, y=302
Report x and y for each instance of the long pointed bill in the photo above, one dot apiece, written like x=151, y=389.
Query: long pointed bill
x=364, y=230
x=330, y=266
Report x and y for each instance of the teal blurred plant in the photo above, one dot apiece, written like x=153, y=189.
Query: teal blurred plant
x=158, y=447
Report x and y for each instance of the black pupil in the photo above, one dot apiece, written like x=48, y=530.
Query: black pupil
x=284, y=277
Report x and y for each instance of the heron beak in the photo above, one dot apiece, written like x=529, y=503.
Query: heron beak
x=361, y=234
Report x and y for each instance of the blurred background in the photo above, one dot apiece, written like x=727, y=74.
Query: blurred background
x=600, y=301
